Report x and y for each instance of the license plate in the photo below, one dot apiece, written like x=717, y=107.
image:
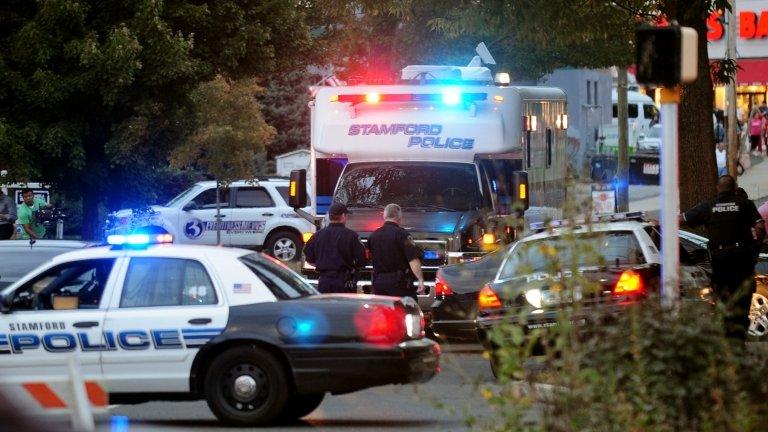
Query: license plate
x=651, y=168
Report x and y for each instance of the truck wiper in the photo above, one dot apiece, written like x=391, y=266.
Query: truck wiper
x=431, y=206
x=364, y=205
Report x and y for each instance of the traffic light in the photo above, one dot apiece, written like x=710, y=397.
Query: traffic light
x=666, y=56
x=297, y=189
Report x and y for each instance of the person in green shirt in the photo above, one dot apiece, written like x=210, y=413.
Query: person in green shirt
x=30, y=228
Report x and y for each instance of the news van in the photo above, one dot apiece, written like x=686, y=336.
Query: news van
x=458, y=152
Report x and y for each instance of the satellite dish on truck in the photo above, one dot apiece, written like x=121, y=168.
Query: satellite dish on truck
x=483, y=56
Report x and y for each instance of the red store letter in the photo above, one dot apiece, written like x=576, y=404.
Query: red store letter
x=747, y=24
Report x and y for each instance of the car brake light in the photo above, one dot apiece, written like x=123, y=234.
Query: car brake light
x=381, y=325
x=442, y=289
x=487, y=299
x=630, y=283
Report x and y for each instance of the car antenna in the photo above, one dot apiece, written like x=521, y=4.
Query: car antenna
x=31, y=243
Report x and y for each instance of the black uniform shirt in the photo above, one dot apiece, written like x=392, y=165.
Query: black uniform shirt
x=392, y=248
x=729, y=219
x=335, y=248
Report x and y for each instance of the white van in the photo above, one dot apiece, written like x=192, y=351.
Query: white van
x=641, y=109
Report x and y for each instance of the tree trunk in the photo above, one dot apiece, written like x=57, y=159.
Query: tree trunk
x=698, y=169
x=622, y=171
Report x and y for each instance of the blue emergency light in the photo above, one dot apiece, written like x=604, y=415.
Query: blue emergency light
x=138, y=240
x=451, y=96
x=431, y=254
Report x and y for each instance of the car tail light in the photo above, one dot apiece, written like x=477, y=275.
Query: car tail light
x=630, y=283
x=382, y=325
x=487, y=299
x=442, y=289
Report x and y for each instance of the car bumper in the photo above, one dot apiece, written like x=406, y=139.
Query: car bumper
x=351, y=369
x=455, y=330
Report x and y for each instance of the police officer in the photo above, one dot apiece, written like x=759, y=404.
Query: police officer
x=394, y=254
x=730, y=219
x=336, y=252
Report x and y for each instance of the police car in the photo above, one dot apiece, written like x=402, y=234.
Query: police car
x=617, y=253
x=254, y=215
x=180, y=322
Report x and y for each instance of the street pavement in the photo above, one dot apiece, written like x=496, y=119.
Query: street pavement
x=444, y=403
x=754, y=180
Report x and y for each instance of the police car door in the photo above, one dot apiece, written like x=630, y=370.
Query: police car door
x=252, y=212
x=197, y=222
x=53, y=314
x=165, y=309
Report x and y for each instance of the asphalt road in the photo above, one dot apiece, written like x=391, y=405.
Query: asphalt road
x=444, y=403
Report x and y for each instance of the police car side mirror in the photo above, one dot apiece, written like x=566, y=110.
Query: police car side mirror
x=297, y=189
x=189, y=206
x=5, y=304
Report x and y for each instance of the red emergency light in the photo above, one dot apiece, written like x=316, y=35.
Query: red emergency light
x=375, y=97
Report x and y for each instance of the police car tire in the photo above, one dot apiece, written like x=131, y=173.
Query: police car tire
x=258, y=364
x=299, y=406
x=283, y=235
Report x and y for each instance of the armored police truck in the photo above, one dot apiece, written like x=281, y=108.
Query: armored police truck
x=458, y=152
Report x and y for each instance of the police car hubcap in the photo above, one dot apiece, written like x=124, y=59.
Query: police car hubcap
x=284, y=249
x=245, y=387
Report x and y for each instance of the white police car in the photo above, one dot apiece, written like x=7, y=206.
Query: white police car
x=254, y=215
x=180, y=322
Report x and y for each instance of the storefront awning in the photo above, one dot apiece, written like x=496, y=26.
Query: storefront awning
x=752, y=72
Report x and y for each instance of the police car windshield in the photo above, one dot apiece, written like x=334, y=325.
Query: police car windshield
x=184, y=195
x=281, y=281
x=430, y=186
x=554, y=253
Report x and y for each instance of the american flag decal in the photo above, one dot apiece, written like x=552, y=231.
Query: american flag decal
x=241, y=288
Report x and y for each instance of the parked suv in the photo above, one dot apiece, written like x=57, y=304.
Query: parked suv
x=254, y=215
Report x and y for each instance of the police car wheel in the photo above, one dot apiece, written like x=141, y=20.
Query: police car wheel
x=284, y=245
x=299, y=406
x=246, y=386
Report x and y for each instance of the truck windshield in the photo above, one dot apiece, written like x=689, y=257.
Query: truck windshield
x=184, y=195
x=434, y=186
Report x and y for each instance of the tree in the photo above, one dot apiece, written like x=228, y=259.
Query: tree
x=92, y=92
x=230, y=131
x=285, y=105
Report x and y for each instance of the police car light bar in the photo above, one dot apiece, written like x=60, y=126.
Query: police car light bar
x=451, y=96
x=138, y=239
x=615, y=217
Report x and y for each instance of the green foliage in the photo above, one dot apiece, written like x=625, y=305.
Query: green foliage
x=284, y=103
x=230, y=131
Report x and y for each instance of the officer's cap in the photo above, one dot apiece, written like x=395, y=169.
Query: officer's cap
x=337, y=209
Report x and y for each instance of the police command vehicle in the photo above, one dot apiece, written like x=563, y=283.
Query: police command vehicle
x=456, y=150
x=254, y=215
x=179, y=322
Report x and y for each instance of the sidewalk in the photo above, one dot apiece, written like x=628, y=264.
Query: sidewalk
x=754, y=181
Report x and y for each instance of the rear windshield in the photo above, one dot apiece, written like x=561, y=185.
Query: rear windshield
x=595, y=249
x=437, y=186
x=284, y=283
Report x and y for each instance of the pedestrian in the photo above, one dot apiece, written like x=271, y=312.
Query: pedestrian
x=395, y=257
x=720, y=157
x=730, y=220
x=27, y=215
x=7, y=216
x=755, y=128
x=763, y=210
x=337, y=253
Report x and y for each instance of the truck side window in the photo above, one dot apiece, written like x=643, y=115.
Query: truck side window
x=253, y=197
x=549, y=147
x=207, y=199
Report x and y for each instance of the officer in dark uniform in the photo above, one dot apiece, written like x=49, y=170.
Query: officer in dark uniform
x=337, y=253
x=394, y=254
x=730, y=219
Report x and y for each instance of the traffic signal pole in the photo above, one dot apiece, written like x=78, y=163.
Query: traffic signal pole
x=670, y=199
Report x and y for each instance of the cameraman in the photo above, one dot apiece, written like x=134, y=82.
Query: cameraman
x=31, y=227
x=7, y=216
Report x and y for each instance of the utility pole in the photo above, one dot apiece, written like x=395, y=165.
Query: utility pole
x=732, y=136
x=622, y=171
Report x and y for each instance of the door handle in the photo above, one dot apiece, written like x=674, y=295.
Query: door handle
x=85, y=324
x=220, y=216
x=199, y=321
x=267, y=214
